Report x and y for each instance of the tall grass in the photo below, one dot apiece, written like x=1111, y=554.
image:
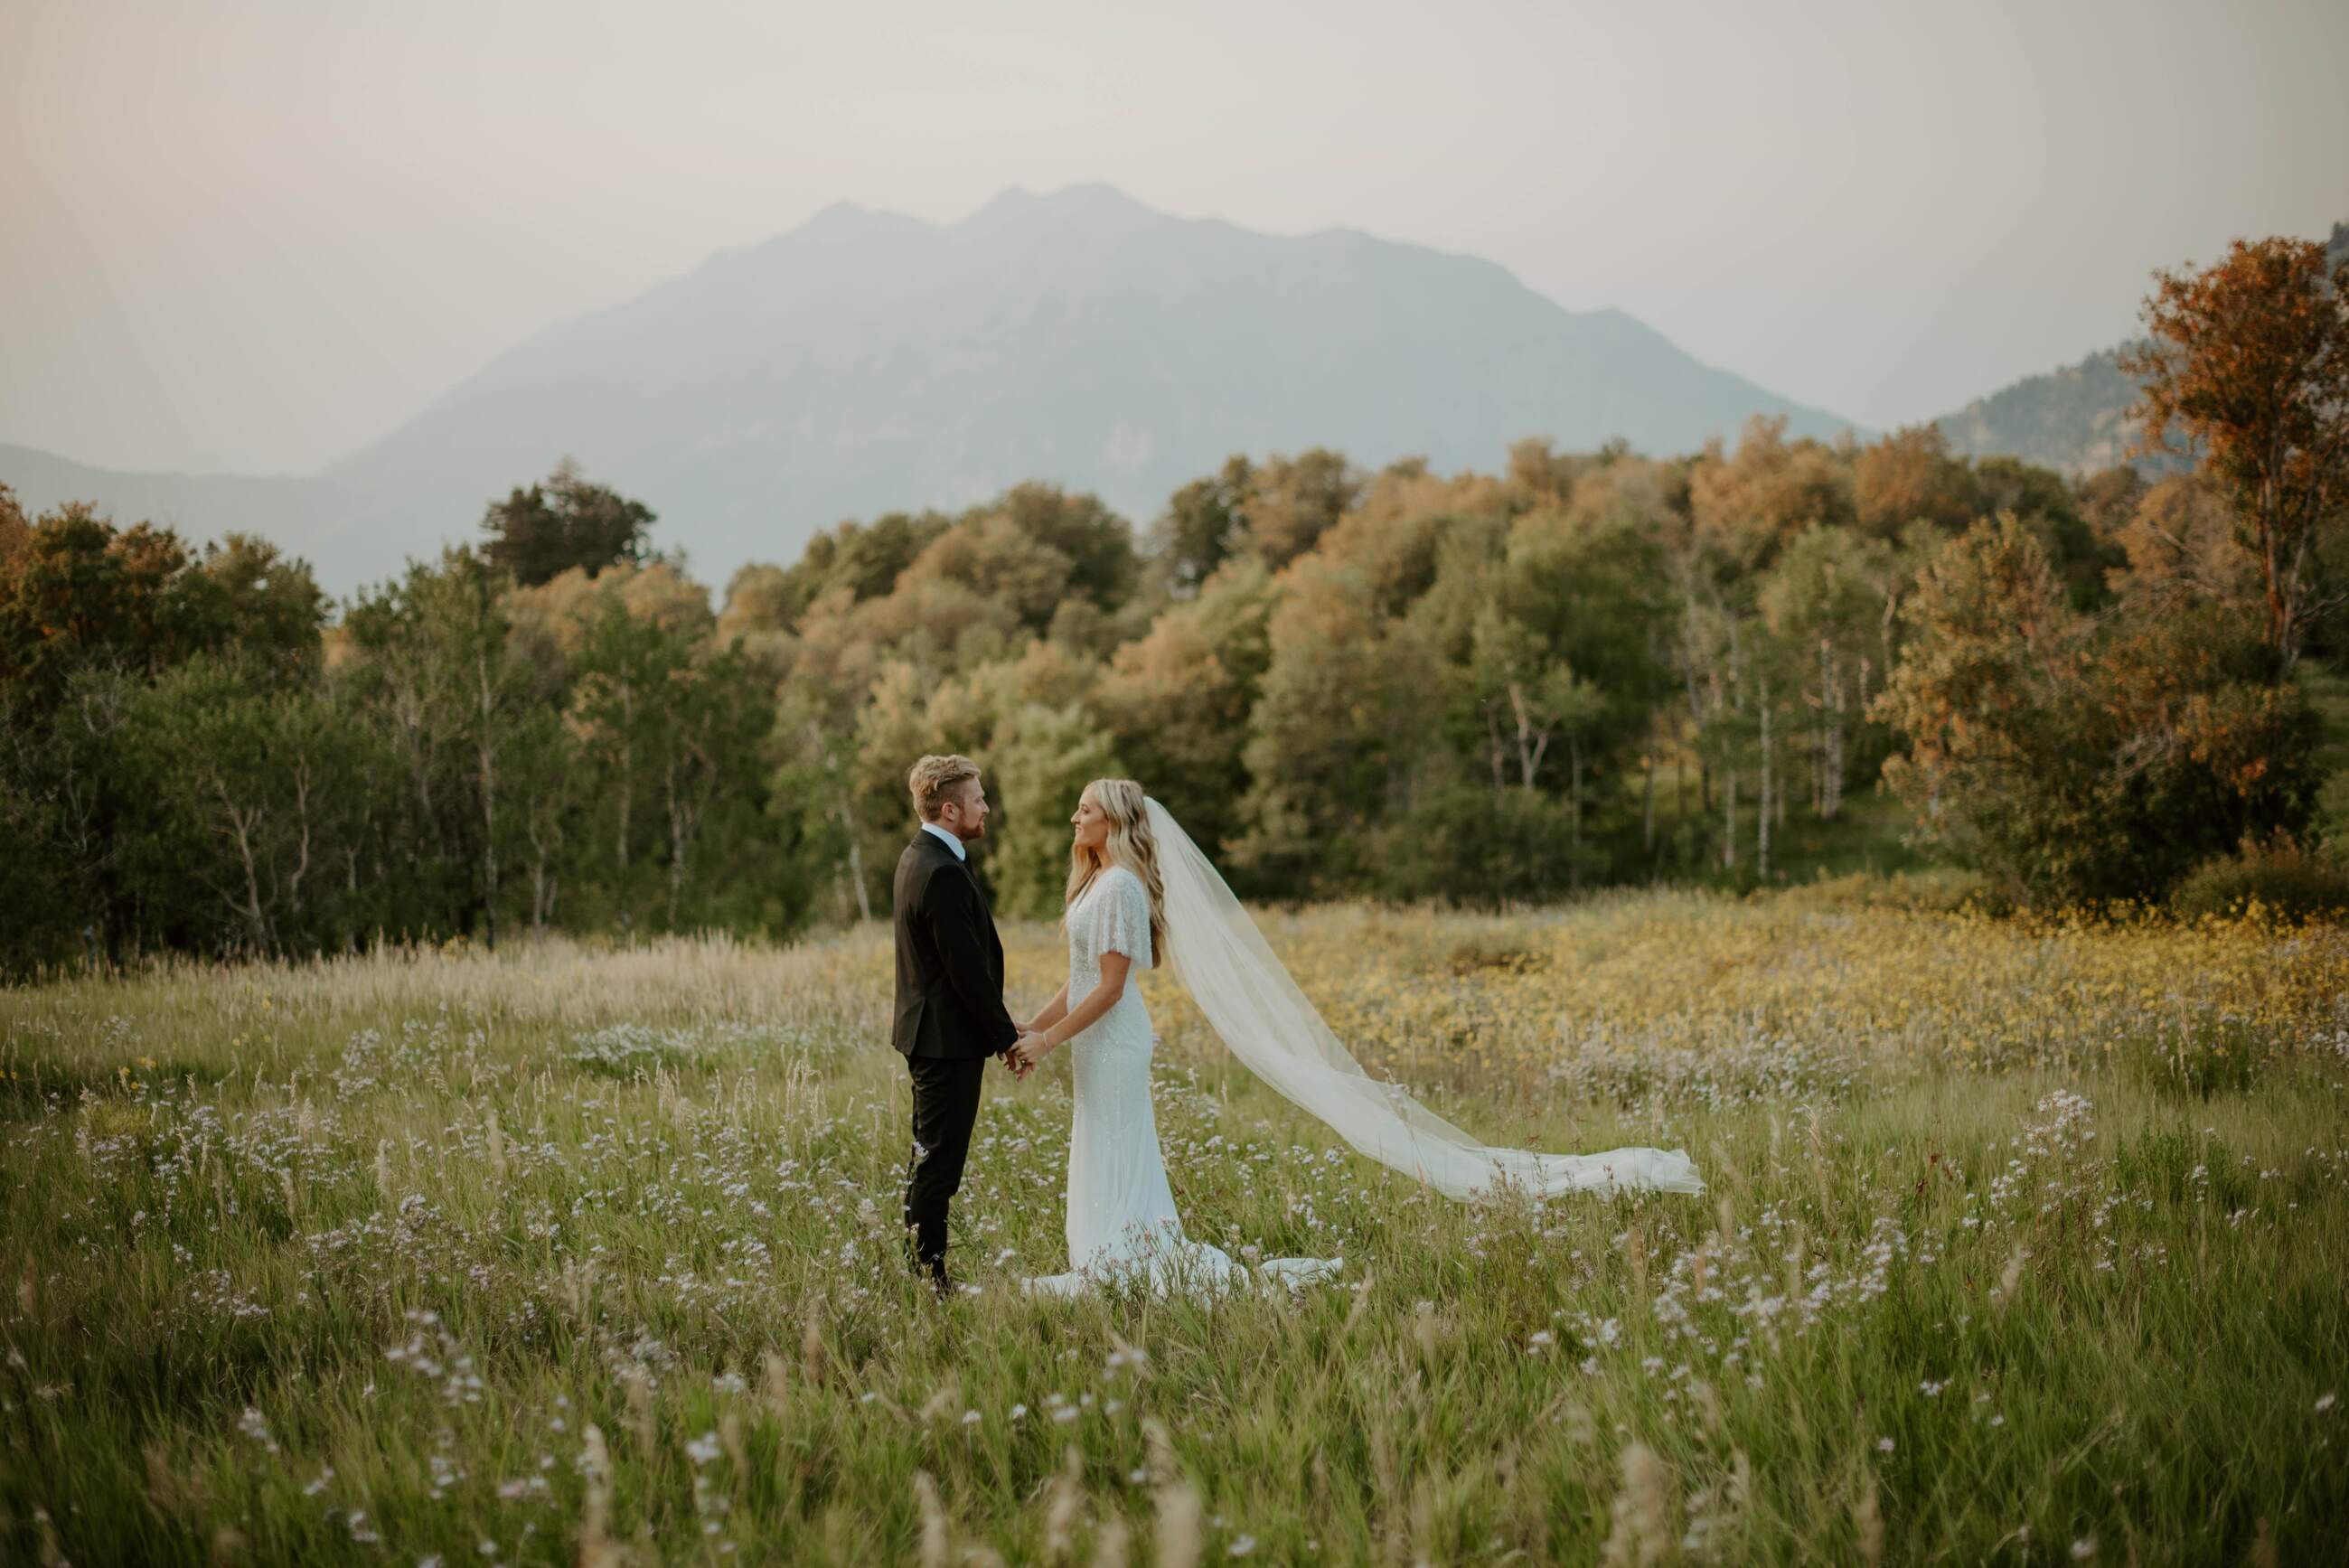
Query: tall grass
x=2025, y=1243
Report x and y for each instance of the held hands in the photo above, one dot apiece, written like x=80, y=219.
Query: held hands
x=1022, y=1057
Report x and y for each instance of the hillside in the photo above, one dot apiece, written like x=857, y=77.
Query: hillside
x=298, y=514
x=2076, y=419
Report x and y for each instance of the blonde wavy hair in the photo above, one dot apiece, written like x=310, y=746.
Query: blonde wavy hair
x=1130, y=845
x=934, y=778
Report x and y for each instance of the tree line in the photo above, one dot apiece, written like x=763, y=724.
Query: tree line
x=1585, y=669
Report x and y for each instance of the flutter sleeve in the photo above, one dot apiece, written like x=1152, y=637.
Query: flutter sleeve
x=1123, y=925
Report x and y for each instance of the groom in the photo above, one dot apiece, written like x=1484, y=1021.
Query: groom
x=950, y=1012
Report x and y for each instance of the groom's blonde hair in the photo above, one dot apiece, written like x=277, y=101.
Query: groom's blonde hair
x=934, y=779
x=1131, y=845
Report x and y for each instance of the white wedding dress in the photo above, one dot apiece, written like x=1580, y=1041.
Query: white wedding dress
x=1121, y=1218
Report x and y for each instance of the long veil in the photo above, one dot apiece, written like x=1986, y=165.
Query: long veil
x=1249, y=1000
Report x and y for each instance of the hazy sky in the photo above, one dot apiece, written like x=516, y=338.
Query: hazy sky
x=254, y=235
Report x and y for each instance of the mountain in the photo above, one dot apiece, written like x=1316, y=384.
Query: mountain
x=2076, y=419
x=867, y=361
x=297, y=514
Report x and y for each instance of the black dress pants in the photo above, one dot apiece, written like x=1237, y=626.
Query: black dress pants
x=945, y=1104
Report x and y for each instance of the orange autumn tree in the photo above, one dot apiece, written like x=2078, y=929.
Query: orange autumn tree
x=2249, y=361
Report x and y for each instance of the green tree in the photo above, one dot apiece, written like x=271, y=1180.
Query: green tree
x=2077, y=760
x=858, y=559
x=622, y=677
x=1178, y=700
x=710, y=727
x=1201, y=527
x=447, y=676
x=2041, y=498
x=551, y=782
x=66, y=782
x=482, y=687
x=246, y=594
x=562, y=525
x=248, y=793
x=997, y=560
x=79, y=592
x=1317, y=755
x=1592, y=600
x=1531, y=698
x=1044, y=759
x=1292, y=502
x=1825, y=602
x=31, y=881
x=1097, y=543
x=814, y=796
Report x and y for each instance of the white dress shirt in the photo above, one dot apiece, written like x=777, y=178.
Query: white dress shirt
x=952, y=842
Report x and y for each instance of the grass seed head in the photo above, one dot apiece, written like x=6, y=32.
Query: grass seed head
x=811, y=1345
x=934, y=1550
x=1110, y=1544
x=597, y=1547
x=2010, y=1278
x=775, y=1386
x=383, y=1173
x=1641, y=1533
x=640, y=1408
x=1868, y=1525
x=1180, y=1532
x=1064, y=1508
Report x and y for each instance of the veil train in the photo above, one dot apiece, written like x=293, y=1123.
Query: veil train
x=1262, y=1017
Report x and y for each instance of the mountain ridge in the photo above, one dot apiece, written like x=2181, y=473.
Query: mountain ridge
x=866, y=361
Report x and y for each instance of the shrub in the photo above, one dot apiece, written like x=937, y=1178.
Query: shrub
x=2281, y=875
x=1942, y=890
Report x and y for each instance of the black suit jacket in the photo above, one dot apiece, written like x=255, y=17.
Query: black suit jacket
x=950, y=960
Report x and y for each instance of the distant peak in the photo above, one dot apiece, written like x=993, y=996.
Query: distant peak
x=848, y=220
x=1091, y=198
x=838, y=213
x=1011, y=199
x=1092, y=194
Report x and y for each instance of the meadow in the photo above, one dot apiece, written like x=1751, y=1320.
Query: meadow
x=2025, y=1242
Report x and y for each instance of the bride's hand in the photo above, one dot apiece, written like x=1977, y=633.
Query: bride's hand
x=1030, y=1050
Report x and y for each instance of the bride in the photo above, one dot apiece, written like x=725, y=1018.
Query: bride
x=1140, y=892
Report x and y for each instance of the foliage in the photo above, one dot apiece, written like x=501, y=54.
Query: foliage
x=1201, y=526
x=2249, y=360
x=1178, y=698
x=2280, y=874
x=2079, y=758
x=1046, y=757
x=564, y=525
